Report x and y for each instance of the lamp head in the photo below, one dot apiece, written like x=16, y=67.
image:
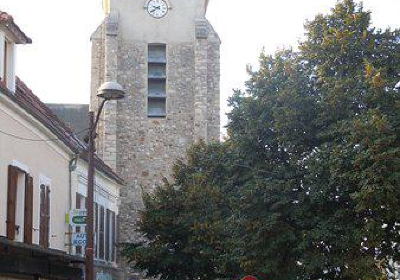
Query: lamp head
x=111, y=91
x=397, y=86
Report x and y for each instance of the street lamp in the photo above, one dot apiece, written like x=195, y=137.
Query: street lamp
x=397, y=86
x=108, y=91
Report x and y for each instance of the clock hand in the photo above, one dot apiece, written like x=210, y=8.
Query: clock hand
x=155, y=8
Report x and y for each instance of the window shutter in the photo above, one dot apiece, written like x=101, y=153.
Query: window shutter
x=113, y=234
x=28, y=211
x=42, y=229
x=47, y=235
x=108, y=235
x=101, y=239
x=96, y=229
x=11, y=201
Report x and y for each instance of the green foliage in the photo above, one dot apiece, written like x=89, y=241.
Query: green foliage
x=185, y=223
x=307, y=185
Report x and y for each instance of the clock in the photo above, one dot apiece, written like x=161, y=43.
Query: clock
x=157, y=8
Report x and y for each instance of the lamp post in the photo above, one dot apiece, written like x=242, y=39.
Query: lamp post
x=108, y=91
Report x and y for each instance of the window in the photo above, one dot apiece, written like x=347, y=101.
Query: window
x=105, y=233
x=110, y=236
x=104, y=220
x=157, y=81
x=104, y=230
x=19, y=205
x=44, y=218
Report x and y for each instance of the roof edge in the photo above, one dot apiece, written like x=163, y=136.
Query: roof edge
x=8, y=22
x=30, y=103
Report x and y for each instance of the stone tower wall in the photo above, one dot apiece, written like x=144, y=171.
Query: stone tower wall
x=143, y=150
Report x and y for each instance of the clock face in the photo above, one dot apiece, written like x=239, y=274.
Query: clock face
x=157, y=8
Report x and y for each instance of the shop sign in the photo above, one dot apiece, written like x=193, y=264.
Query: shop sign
x=78, y=239
x=77, y=217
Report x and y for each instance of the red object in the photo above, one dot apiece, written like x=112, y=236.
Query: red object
x=249, y=277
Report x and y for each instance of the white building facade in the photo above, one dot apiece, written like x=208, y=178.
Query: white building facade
x=43, y=176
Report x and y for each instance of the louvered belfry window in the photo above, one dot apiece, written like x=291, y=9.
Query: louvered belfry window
x=157, y=80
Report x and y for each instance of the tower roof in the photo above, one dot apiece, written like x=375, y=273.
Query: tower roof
x=7, y=22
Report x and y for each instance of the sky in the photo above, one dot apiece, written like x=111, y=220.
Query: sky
x=57, y=65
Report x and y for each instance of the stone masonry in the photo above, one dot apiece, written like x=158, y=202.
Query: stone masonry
x=143, y=150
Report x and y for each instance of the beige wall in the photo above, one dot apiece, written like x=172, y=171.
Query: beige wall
x=176, y=27
x=47, y=162
x=43, y=160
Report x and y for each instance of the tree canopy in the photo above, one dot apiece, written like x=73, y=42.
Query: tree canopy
x=307, y=184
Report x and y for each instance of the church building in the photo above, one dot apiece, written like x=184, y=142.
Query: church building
x=166, y=55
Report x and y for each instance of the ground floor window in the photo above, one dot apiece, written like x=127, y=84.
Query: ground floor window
x=19, y=205
x=104, y=230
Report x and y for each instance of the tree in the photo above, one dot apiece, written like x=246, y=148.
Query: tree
x=307, y=185
x=184, y=222
x=326, y=117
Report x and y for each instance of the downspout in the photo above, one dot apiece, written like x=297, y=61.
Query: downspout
x=72, y=168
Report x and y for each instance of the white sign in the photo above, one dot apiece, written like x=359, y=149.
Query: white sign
x=77, y=217
x=78, y=239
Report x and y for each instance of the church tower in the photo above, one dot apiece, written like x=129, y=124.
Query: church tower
x=166, y=56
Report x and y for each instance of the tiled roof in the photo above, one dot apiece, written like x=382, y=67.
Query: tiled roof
x=8, y=21
x=75, y=116
x=25, y=98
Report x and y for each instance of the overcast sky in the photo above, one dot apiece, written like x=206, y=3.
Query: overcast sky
x=57, y=65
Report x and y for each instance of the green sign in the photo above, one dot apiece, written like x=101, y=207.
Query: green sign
x=77, y=217
x=79, y=220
